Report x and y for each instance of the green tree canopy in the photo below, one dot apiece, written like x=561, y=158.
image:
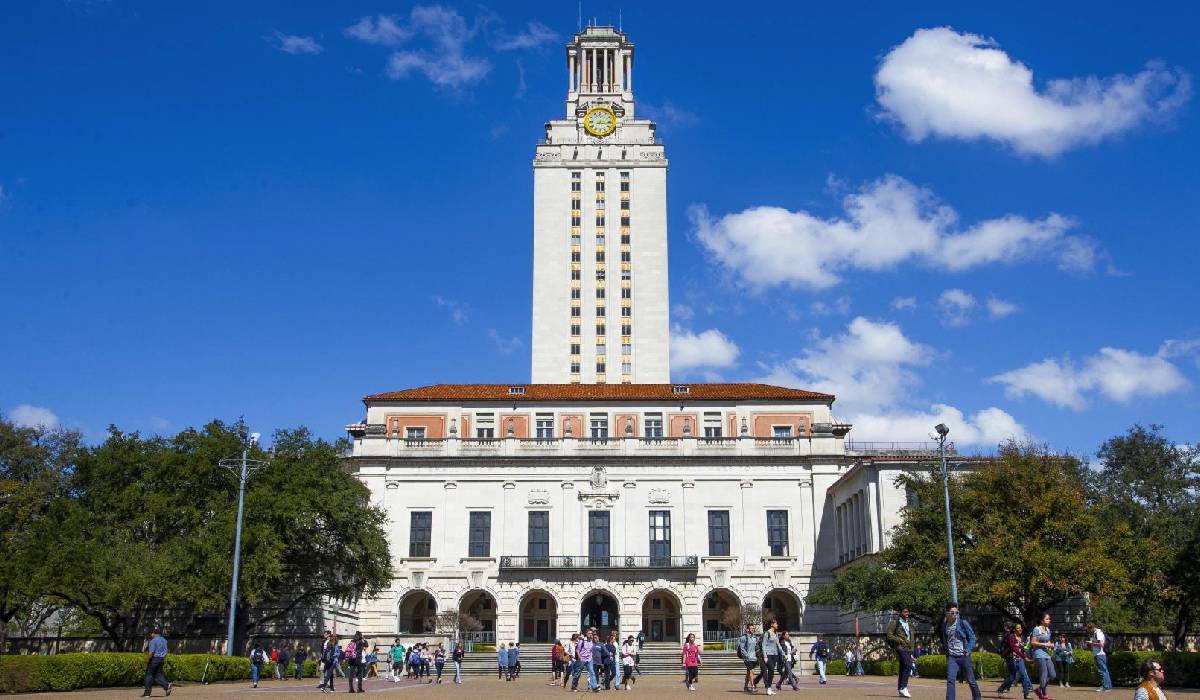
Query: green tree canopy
x=1025, y=541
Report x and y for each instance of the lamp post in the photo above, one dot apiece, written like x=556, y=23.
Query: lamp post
x=242, y=469
x=942, y=432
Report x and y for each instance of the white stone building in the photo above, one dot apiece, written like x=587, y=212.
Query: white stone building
x=600, y=493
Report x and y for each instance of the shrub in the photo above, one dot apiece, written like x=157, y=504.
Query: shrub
x=837, y=667
x=62, y=672
x=986, y=664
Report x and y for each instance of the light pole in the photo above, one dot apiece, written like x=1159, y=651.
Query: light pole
x=942, y=432
x=242, y=468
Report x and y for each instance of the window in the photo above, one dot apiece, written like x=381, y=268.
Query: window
x=624, y=182
x=600, y=367
x=777, y=532
x=599, y=256
x=574, y=368
x=601, y=348
x=625, y=205
x=539, y=537
x=599, y=182
x=712, y=425
x=600, y=427
x=660, y=537
x=626, y=348
x=626, y=256
x=576, y=182
x=575, y=201
x=626, y=329
x=576, y=275
x=600, y=219
x=544, y=426
x=414, y=433
x=625, y=238
x=626, y=293
x=599, y=275
x=480, y=543
x=600, y=311
x=626, y=367
x=516, y=391
x=575, y=239
x=781, y=432
x=576, y=221
x=598, y=532
x=574, y=348
x=599, y=292
x=576, y=256
x=624, y=219
x=420, y=532
x=718, y=533
x=626, y=275
x=574, y=329
x=600, y=329
x=576, y=312
x=653, y=425
x=575, y=293
x=626, y=311
x=485, y=433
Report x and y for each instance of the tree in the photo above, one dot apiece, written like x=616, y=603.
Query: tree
x=149, y=524
x=34, y=466
x=1024, y=536
x=1148, y=489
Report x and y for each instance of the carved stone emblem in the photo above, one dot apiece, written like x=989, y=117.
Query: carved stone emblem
x=659, y=496
x=599, y=477
x=539, y=497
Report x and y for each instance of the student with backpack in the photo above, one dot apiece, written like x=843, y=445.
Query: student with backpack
x=821, y=652
x=1098, y=643
x=397, y=654
x=331, y=656
x=899, y=639
x=1012, y=650
x=258, y=657
x=748, y=652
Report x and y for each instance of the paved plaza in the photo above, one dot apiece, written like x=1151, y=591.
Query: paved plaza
x=656, y=687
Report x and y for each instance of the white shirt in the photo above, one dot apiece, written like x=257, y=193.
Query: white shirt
x=628, y=654
x=1098, y=642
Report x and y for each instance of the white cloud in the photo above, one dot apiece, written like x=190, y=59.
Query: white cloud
x=505, y=346
x=991, y=426
x=28, y=416
x=940, y=82
x=707, y=349
x=871, y=369
x=1116, y=374
x=458, y=310
x=886, y=223
x=667, y=114
x=836, y=307
x=955, y=306
x=683, y=312
x=293, y=44
x=535, y=36
x=998, y=308
x=904, y=303
x=867, y=367
x=382, y=30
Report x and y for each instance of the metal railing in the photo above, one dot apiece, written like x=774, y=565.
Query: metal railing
x=895, y=448
x=480, y=636
x=584, y=561
x=719, y=635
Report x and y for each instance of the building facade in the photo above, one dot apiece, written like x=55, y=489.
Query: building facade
x=600, y=494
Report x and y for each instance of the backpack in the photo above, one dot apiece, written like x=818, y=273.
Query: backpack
x=822, y=650
x=257, y=656
x=1005, y=647
x=350, y=652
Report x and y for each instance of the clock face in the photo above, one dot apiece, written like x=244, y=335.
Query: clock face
x=600, y=121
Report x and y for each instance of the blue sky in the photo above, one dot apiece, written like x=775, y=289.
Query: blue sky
x=983, y=215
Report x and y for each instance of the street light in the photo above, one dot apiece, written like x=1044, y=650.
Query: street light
x=242, y=469
x=942, y=432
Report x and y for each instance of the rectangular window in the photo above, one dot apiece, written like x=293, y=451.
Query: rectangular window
x=625, y=205
x=599, y=256
x=653, y=425
x=626, y=311
x=576, y=221
x=599, y=183
x=485, y=433
x=600, y=367
x=625, y=238
x=599, y=219
x=712, y=425
x=575, y=293
x=624, y=220
x=480, y=543
x=599, y=292
x=601, y=348
x=600, y=311
x=718, y=533
x=544, y=426
x=626, y=367
x=626, y=348
x=600, y=427
x=576, y=275
x=660, y=537
x=626, y=329
x=626, y=293
x=598, y=534
x=539, y=537
x=626, y=256
x=574, y=348
x=574, y=329
x=420, y=532
x=576, y=311
x=781, y=432
x=414, y=433
x=600, y=329
x=576, y=256
x=574, y=368
x=777, y=532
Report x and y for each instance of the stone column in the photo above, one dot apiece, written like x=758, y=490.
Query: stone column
x=571, y=73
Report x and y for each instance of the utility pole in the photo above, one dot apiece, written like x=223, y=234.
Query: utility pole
x=242, y=469
x=942, y=432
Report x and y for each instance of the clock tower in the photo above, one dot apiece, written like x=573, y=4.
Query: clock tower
x=600, y=307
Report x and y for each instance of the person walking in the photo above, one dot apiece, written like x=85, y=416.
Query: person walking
x=557, y=661
x=747, y=651
x=848, y=657
x=331, y=656
x=282, y=659
x=958, y=641
x=439, y=661
x=1042, y=642
x=258, y=657
x=770, y=656
x=1012, y=650
x=571, y=665
x=1064, y=656
x=628, y=661
x=822, y=653
x=299, y=658
x=1098, y=643
x=1153, y=675
x=900, y=639
x=156, y=657
x=587, y=654
x=514, y=660
x=398, y=655
x=426, y=662
x=611, y=653
x=787, y=660
x=501, y=662
x=691, y=662
x=457, y=657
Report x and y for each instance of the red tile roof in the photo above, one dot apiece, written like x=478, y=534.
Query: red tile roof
x=599, y=392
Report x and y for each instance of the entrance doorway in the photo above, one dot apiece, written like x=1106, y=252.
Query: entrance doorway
x=660, y=616
x=599, y=610
x=538, y=617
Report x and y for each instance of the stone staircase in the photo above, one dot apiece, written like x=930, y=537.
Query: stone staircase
x=657, y=659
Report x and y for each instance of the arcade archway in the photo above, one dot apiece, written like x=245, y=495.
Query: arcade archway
x=538, y=617
x=722, y=615
x=661, y=616
x=477, y=616
x=417, y=614
x=600, y=610
x=783, y=605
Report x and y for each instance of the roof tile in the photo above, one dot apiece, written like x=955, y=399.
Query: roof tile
x=598, y=392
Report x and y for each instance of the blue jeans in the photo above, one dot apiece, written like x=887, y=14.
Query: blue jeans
x=821, y=669
x=1102, y=669
x=255, y=670
x=1016, y=669
x=458, y=672
x=953, y=664
x=591, y=669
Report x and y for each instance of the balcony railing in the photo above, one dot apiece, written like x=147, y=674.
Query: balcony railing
x=584, y=561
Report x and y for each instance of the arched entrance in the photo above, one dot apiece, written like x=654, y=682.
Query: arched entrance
x=660, y=616
x=477, y=616
x=417, y=614
x=783, y=605
x=600, y=610
x=538, y=615
x=722, y=615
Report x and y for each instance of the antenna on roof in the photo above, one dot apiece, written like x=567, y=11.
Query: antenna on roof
x=579, y=20
x=620, y=20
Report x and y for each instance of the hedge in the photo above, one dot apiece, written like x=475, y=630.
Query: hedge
x=61, y=672
x=1183, y=668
